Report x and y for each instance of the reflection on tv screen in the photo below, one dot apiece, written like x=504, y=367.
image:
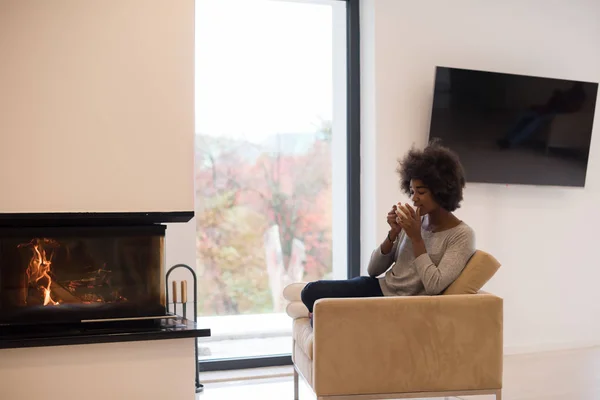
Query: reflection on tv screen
x=515, y=129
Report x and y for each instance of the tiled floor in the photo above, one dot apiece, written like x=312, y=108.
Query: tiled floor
x=566, y=375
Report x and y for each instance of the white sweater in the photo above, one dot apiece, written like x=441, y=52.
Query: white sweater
x=447, y=254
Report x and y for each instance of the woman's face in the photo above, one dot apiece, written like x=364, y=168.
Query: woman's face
x=421, y=197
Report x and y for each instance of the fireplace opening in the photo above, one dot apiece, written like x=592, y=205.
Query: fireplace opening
x=70, y=274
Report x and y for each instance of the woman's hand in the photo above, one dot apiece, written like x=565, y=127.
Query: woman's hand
x=410, y=221
x=388, y=242
x=393, y=223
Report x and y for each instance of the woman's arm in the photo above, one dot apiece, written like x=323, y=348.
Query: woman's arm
x=436, y=278
x=388, y=243
x=383, y=256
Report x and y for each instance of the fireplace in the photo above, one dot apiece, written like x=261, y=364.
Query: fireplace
x=78, y=273
x=88, y=278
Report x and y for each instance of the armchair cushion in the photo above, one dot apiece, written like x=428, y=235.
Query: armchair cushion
x=296, y=309
x=480, y=268
x=303, y=336
x=292, y=291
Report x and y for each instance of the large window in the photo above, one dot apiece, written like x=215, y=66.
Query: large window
x=271, y=164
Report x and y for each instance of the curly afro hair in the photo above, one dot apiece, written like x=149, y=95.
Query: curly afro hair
x=439, y=168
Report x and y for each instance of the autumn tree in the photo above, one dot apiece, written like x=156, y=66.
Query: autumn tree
x=243, y=190
x=230, y=267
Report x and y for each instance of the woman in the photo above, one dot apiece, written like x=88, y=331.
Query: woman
x=426, y=247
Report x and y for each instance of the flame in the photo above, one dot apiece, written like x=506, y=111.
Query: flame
x=38, y=270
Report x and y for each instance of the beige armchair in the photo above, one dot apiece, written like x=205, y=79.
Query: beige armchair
x=403, y=347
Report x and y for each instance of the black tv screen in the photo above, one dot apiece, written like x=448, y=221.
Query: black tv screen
x=515, y=129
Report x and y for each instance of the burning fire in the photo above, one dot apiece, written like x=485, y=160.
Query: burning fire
x=38, y=270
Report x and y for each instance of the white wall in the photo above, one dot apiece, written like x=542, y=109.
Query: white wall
x=96, y=105
x=145, y=370
x=543, y=236
x=180, y=244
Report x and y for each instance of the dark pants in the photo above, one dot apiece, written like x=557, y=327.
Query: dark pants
x=363, y=286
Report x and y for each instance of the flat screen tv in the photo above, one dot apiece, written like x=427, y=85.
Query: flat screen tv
x=515, y=129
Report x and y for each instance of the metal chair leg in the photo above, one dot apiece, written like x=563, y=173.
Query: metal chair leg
x=296, y=384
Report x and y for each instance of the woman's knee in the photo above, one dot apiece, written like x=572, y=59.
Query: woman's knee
x=306, y=295
x=312, y=292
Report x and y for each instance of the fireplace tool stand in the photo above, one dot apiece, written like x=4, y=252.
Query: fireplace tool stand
x=182, y=300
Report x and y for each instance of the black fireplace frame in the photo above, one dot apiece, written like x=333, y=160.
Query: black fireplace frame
x=86, y=225
x=60, y=219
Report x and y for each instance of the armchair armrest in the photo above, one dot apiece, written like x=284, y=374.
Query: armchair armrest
x=407, y=344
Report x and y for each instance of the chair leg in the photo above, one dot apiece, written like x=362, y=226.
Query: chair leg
x=499, y=395
x=296, y=388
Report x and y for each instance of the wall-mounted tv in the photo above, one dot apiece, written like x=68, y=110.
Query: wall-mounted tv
x=515, y=129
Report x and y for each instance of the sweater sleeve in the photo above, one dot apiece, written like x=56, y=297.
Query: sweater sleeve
x=436, y=278
x=380, y=262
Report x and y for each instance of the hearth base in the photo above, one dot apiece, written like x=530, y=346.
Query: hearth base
x=105, y=332
x=141, y=370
